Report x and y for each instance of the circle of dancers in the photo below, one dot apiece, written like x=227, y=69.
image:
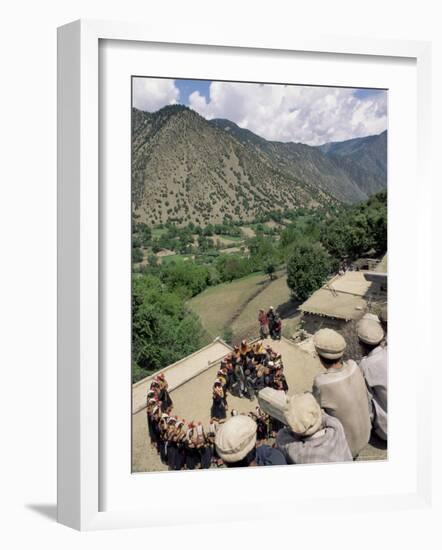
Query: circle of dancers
x=243, y=373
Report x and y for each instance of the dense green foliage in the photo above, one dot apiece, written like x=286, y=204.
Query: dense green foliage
x=307, y=269
x=233, y=266
x=358, y=229
x=185, y=278
x=163, y=329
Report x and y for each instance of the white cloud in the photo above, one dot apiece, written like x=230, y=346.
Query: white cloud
x=307, y=114
x=150, y=94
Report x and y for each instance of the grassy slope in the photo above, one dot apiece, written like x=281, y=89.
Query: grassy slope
x=217, y=305
x=276, y=294
x=236, y=305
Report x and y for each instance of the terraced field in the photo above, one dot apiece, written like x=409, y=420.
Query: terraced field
x=235, y=305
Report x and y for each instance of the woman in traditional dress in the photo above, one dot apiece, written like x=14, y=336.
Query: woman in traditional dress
x=164, y=396
x=155, y=425
x=192, y=453
x=163, y=437
x=151, y=404
x=218, y=401
x=211, y=434
x=263, y=324
x=180, y=438
x=171, y=442
x=277, y=328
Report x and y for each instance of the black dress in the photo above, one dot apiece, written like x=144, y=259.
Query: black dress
x=154, y=423
x=166, y=400
x=163, y=448
x=192, y=458
x=206, y=456
x=180, y=456
x=218, y=407
x=171, y=453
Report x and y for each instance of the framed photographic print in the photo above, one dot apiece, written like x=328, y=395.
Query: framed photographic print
x=223, y=288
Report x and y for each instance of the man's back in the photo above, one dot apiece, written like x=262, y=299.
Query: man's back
x=342, y=393
x=327, y=445
x=375, y=370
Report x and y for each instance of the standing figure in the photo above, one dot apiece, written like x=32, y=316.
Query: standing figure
x=151, y=404
x=263, y=324
x=211, y=434
x=218, y=401
x=277, y=328
x=202, y=444
x=170, y=435
x=154, y=420
x=192, y=454
x=164, y=396
x=271, y=317
x=163, y=425
x=230, y=374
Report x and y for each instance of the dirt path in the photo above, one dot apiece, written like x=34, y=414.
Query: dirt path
x=240, y=309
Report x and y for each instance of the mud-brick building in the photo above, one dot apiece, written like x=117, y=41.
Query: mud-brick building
x=342, y=301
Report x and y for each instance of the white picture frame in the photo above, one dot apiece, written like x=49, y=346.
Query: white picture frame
x=80, y=445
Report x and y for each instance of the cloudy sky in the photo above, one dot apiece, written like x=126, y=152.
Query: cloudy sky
x=306, y=114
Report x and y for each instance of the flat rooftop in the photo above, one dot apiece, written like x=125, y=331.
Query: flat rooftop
x=192, y=401
x=342, y=297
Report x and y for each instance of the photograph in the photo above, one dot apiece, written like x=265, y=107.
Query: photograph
x=259, y=274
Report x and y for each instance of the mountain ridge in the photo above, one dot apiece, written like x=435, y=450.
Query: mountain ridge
x=187, y=168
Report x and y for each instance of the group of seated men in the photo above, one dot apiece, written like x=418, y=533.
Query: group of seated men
x=333, y=423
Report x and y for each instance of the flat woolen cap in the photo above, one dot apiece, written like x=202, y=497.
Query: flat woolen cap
x=371, y=317
x=236, y=438
x=303, y=414
x=370, y=332
x=329, y=343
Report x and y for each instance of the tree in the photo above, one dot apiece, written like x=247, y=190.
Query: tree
x=307, y=269
x=232, y=266
x=357, y=229
x=185, y=278
x=163, y=329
